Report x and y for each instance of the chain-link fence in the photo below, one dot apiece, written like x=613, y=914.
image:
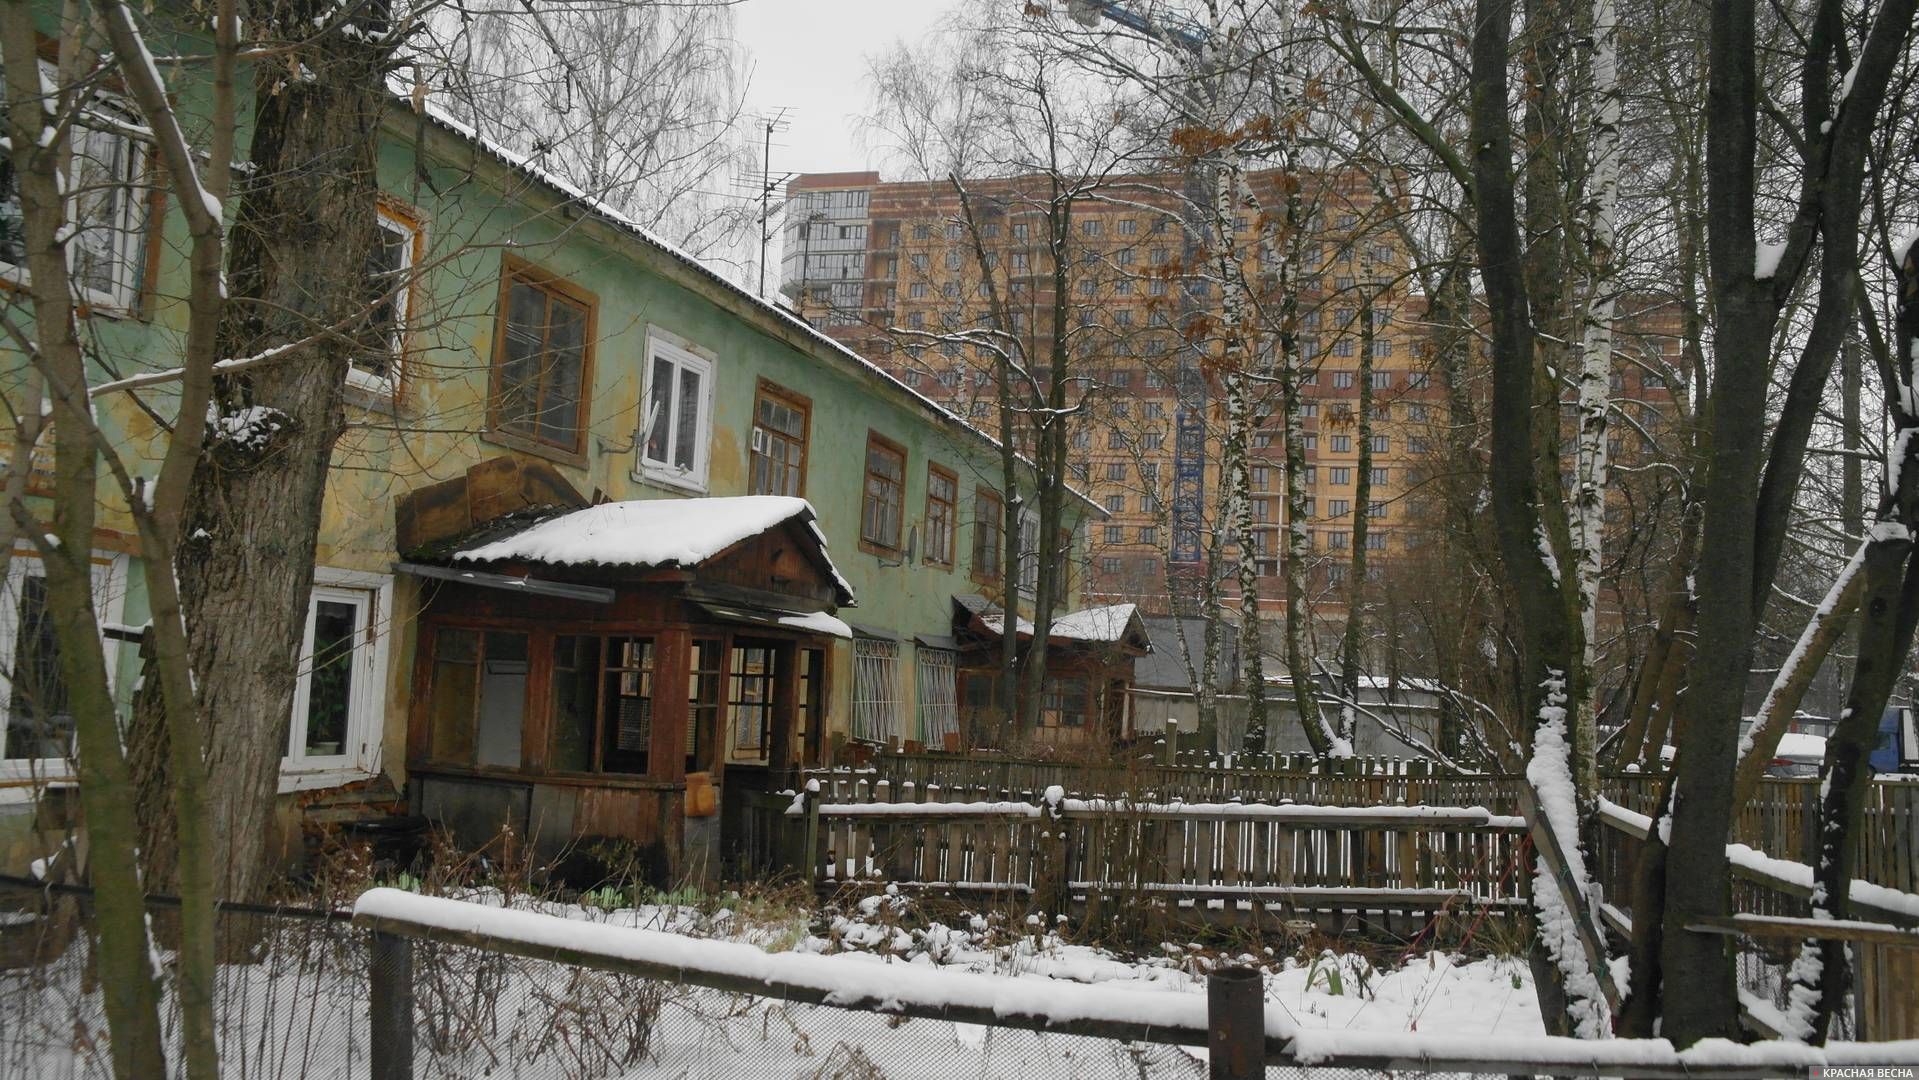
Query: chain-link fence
x=302, y=995
x=310, y=995
x=290, y=998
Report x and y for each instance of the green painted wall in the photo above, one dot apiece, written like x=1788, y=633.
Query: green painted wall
x=472, y=212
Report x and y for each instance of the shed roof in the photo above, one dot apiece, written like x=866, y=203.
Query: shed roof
x=1116, y=624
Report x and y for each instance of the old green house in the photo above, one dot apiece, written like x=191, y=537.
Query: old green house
x=611, y=544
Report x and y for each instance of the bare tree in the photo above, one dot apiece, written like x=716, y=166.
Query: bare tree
x=63, y=382
x=638, y=102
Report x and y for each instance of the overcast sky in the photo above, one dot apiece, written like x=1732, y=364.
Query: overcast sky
x=810, y=55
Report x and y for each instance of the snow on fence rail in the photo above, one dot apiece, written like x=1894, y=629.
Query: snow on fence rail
x=1231, y=861
x=1044, y=1005
x=1771, y=897
x=1779, y=819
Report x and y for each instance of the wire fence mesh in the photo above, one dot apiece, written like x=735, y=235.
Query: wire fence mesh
x=302, y=994
x=297, y=1000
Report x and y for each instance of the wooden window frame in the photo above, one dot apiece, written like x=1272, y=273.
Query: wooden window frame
x=870, y=546
x=951, y=553
x=980, y=574
x=512, y=269
x=767, y=388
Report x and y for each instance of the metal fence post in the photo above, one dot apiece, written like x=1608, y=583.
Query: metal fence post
x=390, y=1007
x=1236, y=1024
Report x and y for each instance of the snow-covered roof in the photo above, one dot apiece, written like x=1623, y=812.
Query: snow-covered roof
x=1801, y=746
x=533, y=170
x=652, y=533
x=1095, y=624
x=1099, y=625
x=1405, y=683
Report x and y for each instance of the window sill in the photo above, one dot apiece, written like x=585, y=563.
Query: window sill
x=880, y=551
x=534, y=447
x=670, y=480
x=315, y=779
x=24, y=793
x=384, y=401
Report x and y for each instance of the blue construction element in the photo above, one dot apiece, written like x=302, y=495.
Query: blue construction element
x=1189, y=424
x=1182, y=32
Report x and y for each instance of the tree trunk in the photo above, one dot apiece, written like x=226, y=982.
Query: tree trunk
x=1362, y=497
x=303, y=231
x=131, y=991
x=1591, y=460
x=1826, y=625
x=1550, y=681
x=1889, y=610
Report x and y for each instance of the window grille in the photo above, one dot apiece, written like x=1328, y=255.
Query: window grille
x=876, y=690
x=938, y=694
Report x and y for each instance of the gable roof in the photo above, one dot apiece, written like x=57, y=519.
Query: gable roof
x=560, y=186
x=654, y=534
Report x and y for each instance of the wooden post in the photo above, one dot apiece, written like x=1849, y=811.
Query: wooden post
x=1236, y=1024
x=390, y=1007
x=809, y=860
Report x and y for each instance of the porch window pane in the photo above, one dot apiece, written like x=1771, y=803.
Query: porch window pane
x=576, y=671
x=452, y=700
x=939, y=703
x=750, y=702
x=628, y=727
x=812, y=676
x=703, y=705
x=1064, y=703
x=876, y=695
x=502, y=700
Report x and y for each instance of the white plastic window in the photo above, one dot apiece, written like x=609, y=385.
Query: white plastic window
x=338, y=698
x=679, y=408
x=36, y=725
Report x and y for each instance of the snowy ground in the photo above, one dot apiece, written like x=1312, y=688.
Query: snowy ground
x=304, y=1016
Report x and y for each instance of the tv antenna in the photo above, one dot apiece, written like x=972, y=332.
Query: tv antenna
x=768, y=182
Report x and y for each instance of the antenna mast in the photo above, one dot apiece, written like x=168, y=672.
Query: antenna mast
x=768, y=183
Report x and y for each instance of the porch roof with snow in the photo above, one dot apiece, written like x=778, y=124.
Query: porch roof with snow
x=655, y=534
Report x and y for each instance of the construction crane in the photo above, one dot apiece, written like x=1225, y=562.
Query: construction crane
x=1183, y=32
x=1189, y=424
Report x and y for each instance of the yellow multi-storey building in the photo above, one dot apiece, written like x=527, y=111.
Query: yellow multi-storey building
x=890, y=267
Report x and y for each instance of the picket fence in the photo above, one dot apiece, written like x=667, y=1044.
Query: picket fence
x=1778, y=820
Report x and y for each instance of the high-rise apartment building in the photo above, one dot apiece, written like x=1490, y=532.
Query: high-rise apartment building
x=891, y=269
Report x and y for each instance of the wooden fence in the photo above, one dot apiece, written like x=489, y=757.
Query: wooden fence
x=1398, y=870
x=1778, y=820
x=1772, y=898
x=1392, y=868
